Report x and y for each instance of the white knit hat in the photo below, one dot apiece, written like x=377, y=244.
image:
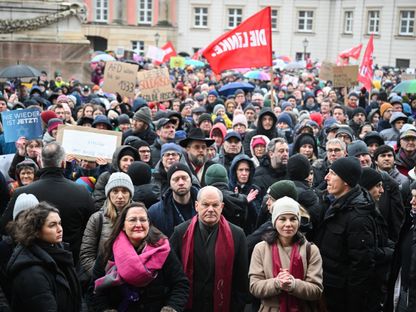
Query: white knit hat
x=119, y=179
x=285, y=205
x=23, y=202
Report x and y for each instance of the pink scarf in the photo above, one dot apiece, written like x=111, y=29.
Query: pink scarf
x=131, y=268
x=288, y=303
x=224, y=260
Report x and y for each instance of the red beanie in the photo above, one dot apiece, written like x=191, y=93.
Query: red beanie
x=317, y=117
x=47, y=115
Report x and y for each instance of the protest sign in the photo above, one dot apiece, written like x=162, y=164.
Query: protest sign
x=177, y=62
x=22, y=123
x=120, y=77
x=155, y=54
x=88, y=143
x=345, y=76
x=155, y=85
x=326, y=71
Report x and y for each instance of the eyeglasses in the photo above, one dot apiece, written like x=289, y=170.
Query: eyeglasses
x=167, y=155
x=134, y=220
x=333, y=150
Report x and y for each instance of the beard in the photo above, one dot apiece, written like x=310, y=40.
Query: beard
x=198, y=160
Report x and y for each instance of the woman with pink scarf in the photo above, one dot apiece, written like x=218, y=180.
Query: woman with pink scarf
x=137, y=270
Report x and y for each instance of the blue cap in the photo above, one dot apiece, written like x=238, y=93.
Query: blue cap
x=213, y=92
x=171, y=147
x=232, y=134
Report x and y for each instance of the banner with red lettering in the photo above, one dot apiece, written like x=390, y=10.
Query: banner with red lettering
x=247, y=45
x=365, y=73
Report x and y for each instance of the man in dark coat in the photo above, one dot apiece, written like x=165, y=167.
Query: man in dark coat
x=229, y=150
x=73, y=200
x=213, y=253
x=178, y=202
x=346, y=240
x=266, y=125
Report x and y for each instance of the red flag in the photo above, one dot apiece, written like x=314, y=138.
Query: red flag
x=247, y=45
x=354, y=52
x=169, y=51
x=365, y=73
x=197, y=55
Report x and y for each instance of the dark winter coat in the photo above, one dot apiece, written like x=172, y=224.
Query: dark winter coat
x=73, y=201
x=155, y=150
x=146, y=193
x=203, y=282
x=147, y=135
x=169, y=288
x=165, y=216
x=41, y=281
x=226, y=159
x=345, y=237
x=265, y=175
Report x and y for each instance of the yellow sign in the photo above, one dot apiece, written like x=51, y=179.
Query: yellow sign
x=177, y=62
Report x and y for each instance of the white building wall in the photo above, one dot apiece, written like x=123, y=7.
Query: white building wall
x=327, y=38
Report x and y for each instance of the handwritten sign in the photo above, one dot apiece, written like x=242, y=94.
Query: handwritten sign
x=326, y=71
x=345, y=76
x=88, y=143
x=120, y=77
x=155, y=85
x=22, y=122
x=177, y=62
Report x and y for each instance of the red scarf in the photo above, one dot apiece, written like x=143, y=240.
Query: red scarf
x=224, y=259
x=288, y=303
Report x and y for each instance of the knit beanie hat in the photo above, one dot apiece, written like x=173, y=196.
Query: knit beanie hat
x=317, y=117
x=102, y=119
x=373, y=137
x=140, y=173
x=176, y=167
x=348, y=169
x=286, y=104
x=285, y=205
x=216, y=173
x=240, y=119
x=283, y=188
x=123, y=119
x=385, y=106
x=47, y=115
x=358, y=110
x=130, y=151
x=53, y=124
x=369, y=178
x=356, y=148
x=306, y=139
x=284, y=117
x=87, y=182
x=213, y=92
x=382, y=150
x=203, y=117
x=218, y=107
x=258, y=141
x=143, y=114
x=119, y=179
x=171, y=147
x=23, y=202
x=298, y=167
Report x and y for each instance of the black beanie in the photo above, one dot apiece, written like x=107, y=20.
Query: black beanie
x=140, y=173
x=298, y=167
x=130, y=151
x=348, y=169
x=307, y=139
x=283, y=188
x=176, y=167
x=382, y=150
x=370, y=178
x=358, y=110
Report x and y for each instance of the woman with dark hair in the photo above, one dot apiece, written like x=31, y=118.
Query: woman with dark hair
x=137, y=270
x=41, y=271
x=286, y=270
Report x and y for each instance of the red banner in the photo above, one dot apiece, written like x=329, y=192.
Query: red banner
x=247, y=45
x=354, y=52
x=365, y=73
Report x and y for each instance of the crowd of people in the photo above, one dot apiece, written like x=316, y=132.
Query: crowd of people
x=289, y=195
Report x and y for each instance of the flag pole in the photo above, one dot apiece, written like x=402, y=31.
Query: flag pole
x=271, y=89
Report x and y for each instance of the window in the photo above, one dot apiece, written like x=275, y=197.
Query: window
x=201, y=17
x=373, y=22
x=300, y=56
x=305, y=21
x=138, y=47
x=274, y=19
x=101, y=10
x=235, y=17
x=407, y=23
x=145, y=12
x=348, y=20
x=402, y=63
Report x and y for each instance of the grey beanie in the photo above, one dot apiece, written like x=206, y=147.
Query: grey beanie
x=119, y=179
x=23, y=202
x=285, y=205
x=143, y=114
x=217, y=107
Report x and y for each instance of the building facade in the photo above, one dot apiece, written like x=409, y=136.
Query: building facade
x=329, y=26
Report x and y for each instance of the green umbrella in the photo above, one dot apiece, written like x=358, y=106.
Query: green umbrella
x=406, y=86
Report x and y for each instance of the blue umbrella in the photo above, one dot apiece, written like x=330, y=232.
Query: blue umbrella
x=230, y=88
x=194, y=63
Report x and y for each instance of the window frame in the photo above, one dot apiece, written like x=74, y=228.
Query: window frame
x=276, y=28
x=234, y=16
x=201, y=16
x=305, y=18
x=348, y=19
x=147, y=13
x=137, y=43
x=100, y=11
x=376, y=22
x=409, y=20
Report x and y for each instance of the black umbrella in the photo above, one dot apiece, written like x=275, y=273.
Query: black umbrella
x=19, y=71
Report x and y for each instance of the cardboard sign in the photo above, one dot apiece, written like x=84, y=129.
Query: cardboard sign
x=345, y=76
x=155, y=53
x=120, y=77
x=408, y=76
x=326, y=71
x=155, y=85
x=177, y=62
x=88, y=143
x=22, y=123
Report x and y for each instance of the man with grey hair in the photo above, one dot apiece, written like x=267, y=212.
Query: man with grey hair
x=273, y=165
x=73, y=200
x=213, y=253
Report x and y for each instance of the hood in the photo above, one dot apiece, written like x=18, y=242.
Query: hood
x=221, y=126
x=260, y=130
x=265, y=138
x=117, y=155
x=300, y=139
x=233, y=170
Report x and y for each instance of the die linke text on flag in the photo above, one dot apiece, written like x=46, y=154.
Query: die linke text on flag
x=365, y=73
x=247, y=45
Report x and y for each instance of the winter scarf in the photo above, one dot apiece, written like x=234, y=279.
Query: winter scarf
x=288, y=303
x=137, y=270
x=224, y=259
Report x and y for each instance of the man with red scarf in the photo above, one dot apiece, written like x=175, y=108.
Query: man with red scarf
x=213, y=253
